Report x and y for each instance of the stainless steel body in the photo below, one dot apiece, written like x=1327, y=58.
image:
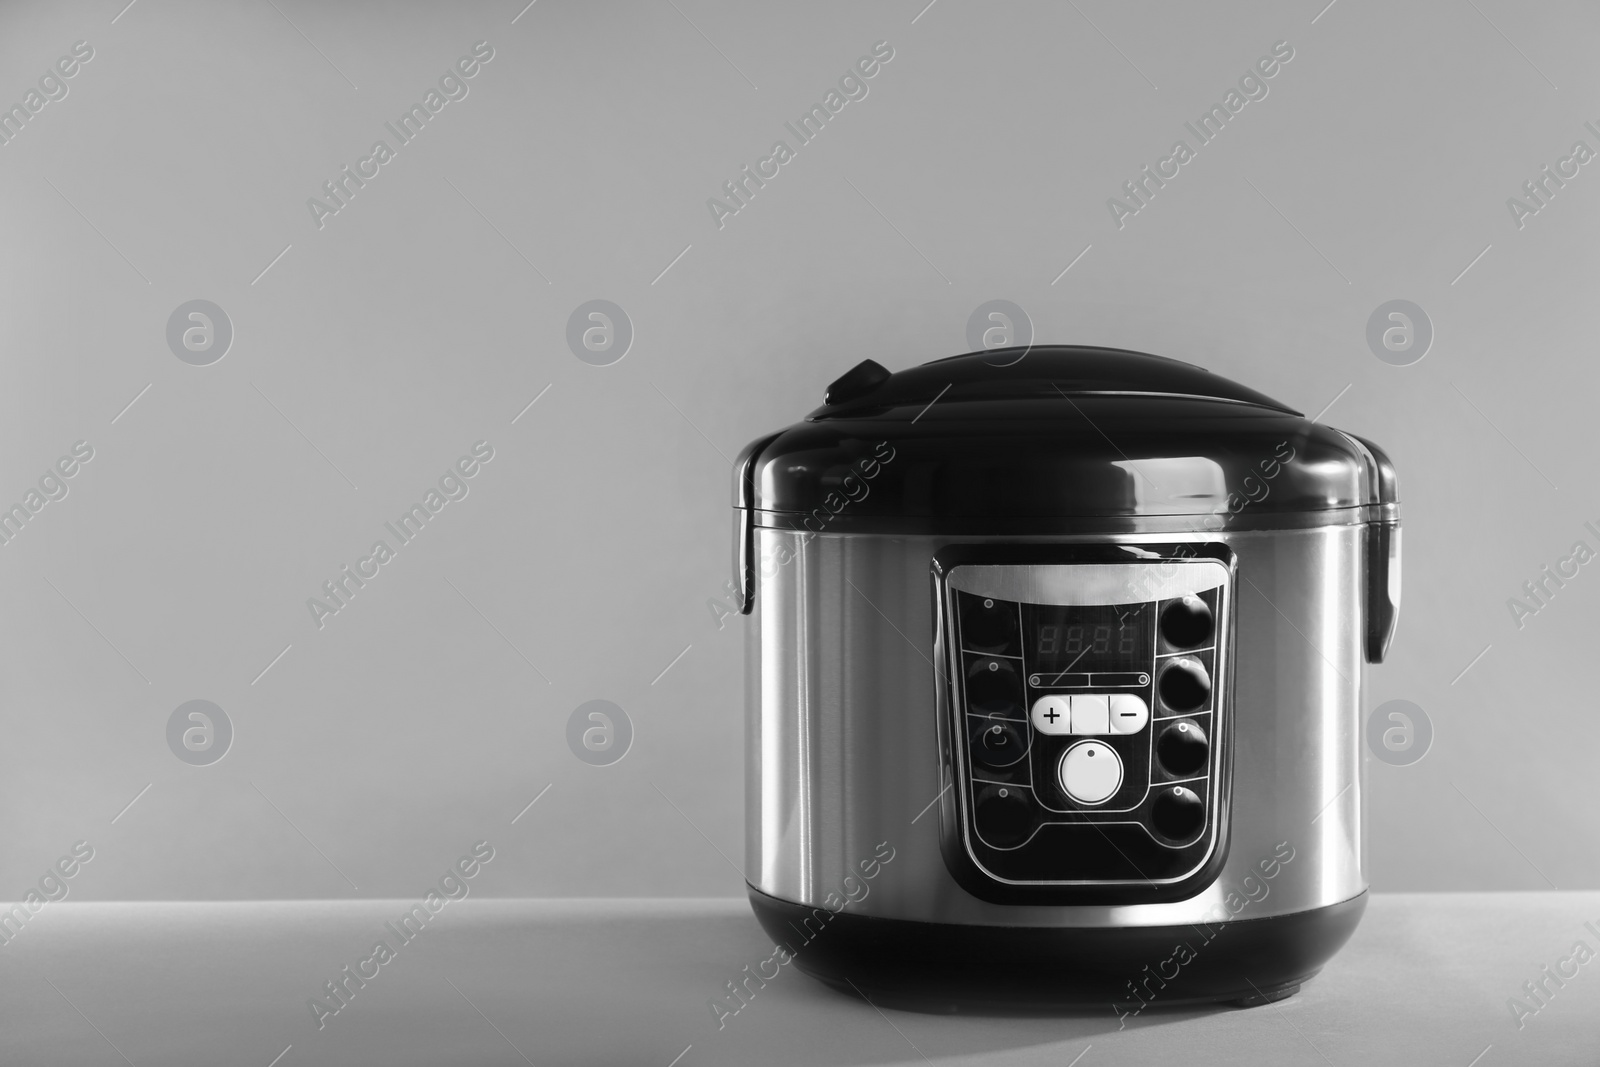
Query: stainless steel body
x=844, y=710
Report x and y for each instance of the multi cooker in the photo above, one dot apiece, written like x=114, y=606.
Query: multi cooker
x=1053, y=681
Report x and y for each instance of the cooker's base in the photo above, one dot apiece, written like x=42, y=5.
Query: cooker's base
x=1268, y=996
x=938, y=967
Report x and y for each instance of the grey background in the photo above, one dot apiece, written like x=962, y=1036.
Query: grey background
x=376, y=350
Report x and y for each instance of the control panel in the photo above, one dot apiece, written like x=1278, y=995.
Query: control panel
x=1087, y=718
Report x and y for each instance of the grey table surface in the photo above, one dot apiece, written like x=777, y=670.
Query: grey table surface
x=1426, y=980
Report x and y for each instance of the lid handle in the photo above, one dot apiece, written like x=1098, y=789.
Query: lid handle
x=856, y=382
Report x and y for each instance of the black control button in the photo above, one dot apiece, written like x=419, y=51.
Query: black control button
x=1184, y=684
x=1178, y=813
x=1004, y=816
x=1186, y=623
x=998, y=743
x=988, y=625
x=993, y=688
x=1182, y=748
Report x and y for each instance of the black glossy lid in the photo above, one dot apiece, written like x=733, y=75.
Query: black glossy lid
x=1055, y=432
x=1022, y=374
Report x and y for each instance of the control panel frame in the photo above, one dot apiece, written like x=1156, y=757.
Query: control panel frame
x=1010, y=572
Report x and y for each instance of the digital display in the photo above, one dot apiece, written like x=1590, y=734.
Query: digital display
x=1078, y=637
x=1110, y=637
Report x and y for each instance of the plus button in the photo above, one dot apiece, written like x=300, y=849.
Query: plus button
x=1052, y=714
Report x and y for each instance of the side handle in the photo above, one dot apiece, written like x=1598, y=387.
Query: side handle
x=744, y=565
x=1383, y=586
x=744, y=522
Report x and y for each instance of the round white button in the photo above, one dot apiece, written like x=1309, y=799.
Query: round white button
x=1090, y=772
